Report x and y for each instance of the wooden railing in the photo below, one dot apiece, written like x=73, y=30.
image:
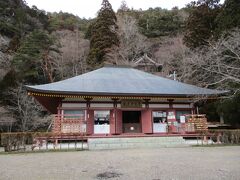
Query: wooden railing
x=196, y=123
x=69, y=123
x=76, y=123
x=29, y=141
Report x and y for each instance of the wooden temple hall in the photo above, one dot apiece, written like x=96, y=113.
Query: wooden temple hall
x=118, y=101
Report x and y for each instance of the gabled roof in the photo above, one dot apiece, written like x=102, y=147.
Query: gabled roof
x=145, y=59
x=121, y=81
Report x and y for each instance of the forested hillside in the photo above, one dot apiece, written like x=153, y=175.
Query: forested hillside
x=200, y=42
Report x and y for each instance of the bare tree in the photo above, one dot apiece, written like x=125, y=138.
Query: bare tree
x=49, y=64
x=217, y=64
x=27, y=111
x=7, y=120
x=123, y=7
x=132, y=43
x=170, y=52
x=5, y=58
x=74, y=50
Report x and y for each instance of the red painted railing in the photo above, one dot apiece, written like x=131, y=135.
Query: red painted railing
x=76, y=123
x=68, y=123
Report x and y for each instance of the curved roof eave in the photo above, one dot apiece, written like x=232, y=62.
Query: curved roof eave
x=30, y=89
x=109, y=81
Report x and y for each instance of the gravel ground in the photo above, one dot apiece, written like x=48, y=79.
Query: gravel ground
x=150, y=164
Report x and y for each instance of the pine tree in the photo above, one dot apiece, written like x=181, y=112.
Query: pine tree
x=31, y=61
x=230, y=15
x=103, y=34
x=201, y=23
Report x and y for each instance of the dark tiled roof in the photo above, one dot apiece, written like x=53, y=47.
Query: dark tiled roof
x=122, y=81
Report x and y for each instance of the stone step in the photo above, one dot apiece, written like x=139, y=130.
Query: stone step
x=135, y=142
x=140, y=139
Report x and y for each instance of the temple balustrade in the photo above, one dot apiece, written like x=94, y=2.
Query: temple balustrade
x=77, y=123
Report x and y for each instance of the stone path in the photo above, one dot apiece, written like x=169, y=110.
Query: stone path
x=150, y=164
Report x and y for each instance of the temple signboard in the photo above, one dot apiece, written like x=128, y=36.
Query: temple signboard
x=131, y=103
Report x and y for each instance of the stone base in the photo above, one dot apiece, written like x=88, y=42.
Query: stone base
x=135, y=142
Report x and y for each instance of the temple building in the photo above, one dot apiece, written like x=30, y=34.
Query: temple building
x=147, y=64
x=113, y=101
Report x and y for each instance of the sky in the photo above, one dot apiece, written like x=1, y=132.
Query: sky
x=89, y=8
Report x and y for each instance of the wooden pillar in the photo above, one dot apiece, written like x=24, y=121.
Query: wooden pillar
x=118, y=124
x=205, y=139
x=56, y=126
x=172, y=119
x=146, y=119
x=221, y=118
x=146, y=102
x=112, y=122
x=113, y=118
x=90, y=118
x=90, y=121
x=170, y=103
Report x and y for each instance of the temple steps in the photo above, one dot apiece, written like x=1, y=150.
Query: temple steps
x=135, y=142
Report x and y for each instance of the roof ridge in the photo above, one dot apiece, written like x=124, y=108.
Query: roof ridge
x=117, y=66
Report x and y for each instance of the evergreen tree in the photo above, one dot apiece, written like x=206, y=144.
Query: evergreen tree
x=201, y=23
x=160, y=22
x=32, y=58
x=230, y=15
x=17, y=20
x=231, y=110
x=103, y=34
x=62, y=20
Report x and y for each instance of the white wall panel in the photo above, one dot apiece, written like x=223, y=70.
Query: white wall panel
x=181, y=106
x=101, y=105
x=73, y=105
x=158, y=105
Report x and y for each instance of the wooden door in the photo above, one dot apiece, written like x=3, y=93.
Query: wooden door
x=147, y=121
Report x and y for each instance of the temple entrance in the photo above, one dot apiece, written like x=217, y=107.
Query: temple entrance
x=131, y=121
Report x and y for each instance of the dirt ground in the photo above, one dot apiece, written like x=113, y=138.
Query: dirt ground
x=150, y=164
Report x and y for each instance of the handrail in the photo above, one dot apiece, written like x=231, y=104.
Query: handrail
x=195, y=115
x=69, y=117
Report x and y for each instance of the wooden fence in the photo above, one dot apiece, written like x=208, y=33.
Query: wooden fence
x=30, y=141
x=25, y=141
